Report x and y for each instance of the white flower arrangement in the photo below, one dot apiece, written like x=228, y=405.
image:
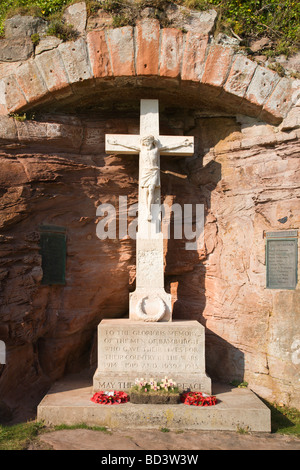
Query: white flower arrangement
x=166, y=385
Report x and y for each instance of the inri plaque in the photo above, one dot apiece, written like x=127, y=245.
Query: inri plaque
x=281, y=260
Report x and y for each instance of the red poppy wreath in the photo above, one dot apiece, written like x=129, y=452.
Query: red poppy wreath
x=198, y=399
x=110, y=398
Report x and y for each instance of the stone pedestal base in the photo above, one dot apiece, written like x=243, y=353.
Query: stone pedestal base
x=133, y=349
x=69, y=402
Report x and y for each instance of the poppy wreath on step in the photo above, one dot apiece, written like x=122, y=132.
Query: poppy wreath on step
x=110, y=398
x=198, y=399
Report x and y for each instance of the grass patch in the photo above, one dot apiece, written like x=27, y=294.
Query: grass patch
x=40, y=8
x=279, y=20
x=242, y=430
x=164, y=429
x=19, y=436
x=35, y=38
x=21, y=117
x=284, y=420
x=239, y=384
x=61, y=427
x=61, y=30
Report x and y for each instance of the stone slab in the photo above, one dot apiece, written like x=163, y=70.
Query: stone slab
x=217, y=65
x=15, y=50
x=69, y=402
x=128, y=350
x=76, y=15
x=121, y=46
x=279, y=103
x=194, y=56
x=21, y=27
x=99, y=54
x=262, y=84
x=147, y=46
x=30, y=81
x=190, y=20
x=240, y=76
x=52, y=70
x=76, y=61
x=171, y=52
x=11, y=96
x=197, y=441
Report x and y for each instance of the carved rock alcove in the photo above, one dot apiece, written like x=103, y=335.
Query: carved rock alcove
x=54, y=171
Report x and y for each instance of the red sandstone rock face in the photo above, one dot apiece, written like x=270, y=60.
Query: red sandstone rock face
x=54, y=170
x=51, y=330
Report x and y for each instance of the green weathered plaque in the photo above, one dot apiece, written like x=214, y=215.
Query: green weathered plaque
x=282, y=261
x=53, y=251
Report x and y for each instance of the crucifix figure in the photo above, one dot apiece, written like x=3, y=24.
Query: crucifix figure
x=149, y=302
x=149, y=151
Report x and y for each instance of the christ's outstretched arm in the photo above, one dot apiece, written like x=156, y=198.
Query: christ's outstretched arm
x=185, y=143
x=131, y=147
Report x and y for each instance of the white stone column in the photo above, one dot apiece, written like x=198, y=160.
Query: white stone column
x=150, y=302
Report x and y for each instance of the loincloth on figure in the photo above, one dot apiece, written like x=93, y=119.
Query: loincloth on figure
x=150, y=177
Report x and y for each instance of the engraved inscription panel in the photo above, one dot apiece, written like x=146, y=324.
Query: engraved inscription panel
x=282, y=263
x=151, y=349
x=132, y=349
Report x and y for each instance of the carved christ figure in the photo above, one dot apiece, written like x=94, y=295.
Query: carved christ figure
x=150, y=165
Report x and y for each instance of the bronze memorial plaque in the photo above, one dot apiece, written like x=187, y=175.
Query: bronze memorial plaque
x=282, y=259
x=53, y=251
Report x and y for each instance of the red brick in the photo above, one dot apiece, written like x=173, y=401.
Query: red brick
x=194, y=56
x=99, y=54
x=147, y=47
x=171, y=52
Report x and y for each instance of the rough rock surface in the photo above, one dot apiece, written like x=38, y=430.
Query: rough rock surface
x=54, y=170
x=76, y=16
x=84, y=439
x=24, y=26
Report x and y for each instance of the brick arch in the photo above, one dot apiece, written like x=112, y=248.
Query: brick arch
x=216, y=73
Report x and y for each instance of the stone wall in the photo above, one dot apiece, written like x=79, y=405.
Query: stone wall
x=54, y=170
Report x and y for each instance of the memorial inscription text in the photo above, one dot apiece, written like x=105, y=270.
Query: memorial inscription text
x=282, y=263
x=163, y=351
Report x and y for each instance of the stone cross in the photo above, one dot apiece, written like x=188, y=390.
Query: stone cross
x=150, y=301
